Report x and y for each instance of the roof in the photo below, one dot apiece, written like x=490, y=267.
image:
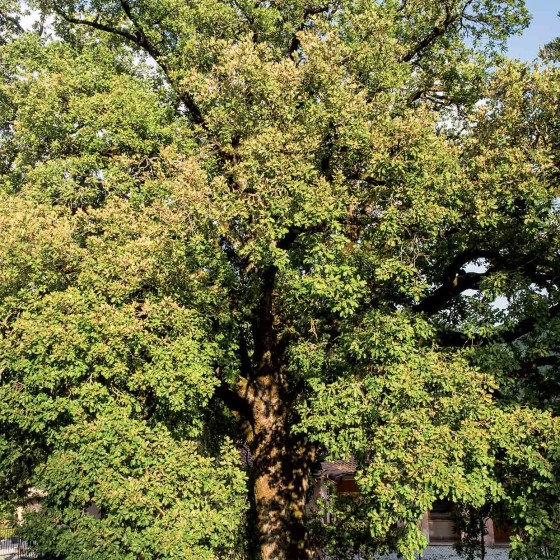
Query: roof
x=335, y=470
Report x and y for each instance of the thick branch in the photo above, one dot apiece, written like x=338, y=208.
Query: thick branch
x=403, y=6
x=527, y=325
x=235, y=402
x=244, y=358
x=456, y=280
x=153, y=51
x=545, y=383
x=551, y=360
x=264, y=326
x=12, y=21
x=471, y=255
x=453, y=339
x=295, y=43
x=437, y=31
x=97, y=25
x=294, y=233
x=457, y=339
x=462, y=282
x=140, y=39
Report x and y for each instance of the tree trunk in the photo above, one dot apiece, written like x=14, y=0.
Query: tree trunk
x=281, y=460
x=281, y=482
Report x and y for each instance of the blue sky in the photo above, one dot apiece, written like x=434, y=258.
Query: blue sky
x=544, y=27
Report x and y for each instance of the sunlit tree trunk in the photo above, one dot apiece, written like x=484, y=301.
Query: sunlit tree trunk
x=282, y=469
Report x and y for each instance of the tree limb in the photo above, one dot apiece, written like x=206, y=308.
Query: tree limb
x=456, y=280
x=403, y=6
x=140, y=39
x=95, y=24
x=308, y=12
x=264, y=326
x=295, y=232
x=12, y=21
x=437, y=31
x=157, y=55
x=235, y=402
x=460, y=283
x=454, y=339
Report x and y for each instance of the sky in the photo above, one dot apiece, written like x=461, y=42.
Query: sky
x=544, y=27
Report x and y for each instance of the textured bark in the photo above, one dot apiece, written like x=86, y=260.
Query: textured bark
x=282, y=467
x=281, y=460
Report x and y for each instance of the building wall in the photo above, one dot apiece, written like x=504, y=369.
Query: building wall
x=437, y=525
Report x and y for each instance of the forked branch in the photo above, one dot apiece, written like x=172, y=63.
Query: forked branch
x=139, y=38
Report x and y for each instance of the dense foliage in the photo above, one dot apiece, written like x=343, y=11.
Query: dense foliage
x=240, y=237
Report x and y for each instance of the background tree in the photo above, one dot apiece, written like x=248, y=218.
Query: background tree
x=291, y=230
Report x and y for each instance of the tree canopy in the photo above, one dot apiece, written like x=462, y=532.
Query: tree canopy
x=238, y=237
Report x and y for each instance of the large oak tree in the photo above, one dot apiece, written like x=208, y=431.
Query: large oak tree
x=283, y=231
